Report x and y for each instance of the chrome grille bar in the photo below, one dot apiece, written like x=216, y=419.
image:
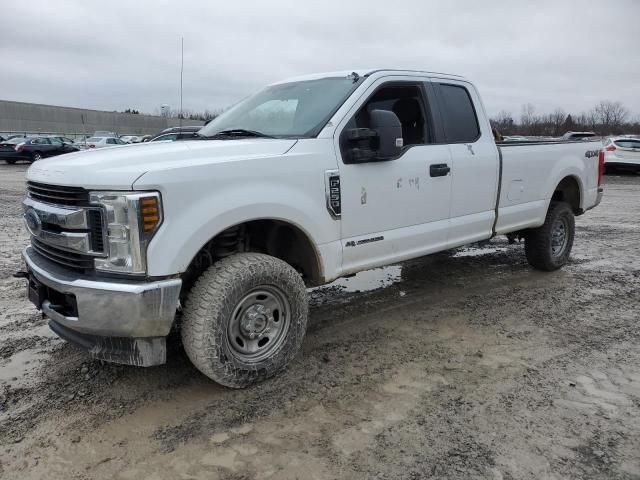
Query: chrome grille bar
x=57, y=194
x=69, y=232
x=63, y=217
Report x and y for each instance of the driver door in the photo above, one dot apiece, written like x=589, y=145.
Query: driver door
x=395, y=209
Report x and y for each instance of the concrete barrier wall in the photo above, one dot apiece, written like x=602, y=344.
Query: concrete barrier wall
x=34, y=118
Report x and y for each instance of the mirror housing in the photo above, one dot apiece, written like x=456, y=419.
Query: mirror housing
x=383, y=141
x=389, y=133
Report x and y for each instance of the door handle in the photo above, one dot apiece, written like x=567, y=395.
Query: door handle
x=439, y=169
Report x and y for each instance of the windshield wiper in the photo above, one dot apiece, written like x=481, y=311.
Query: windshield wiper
x=239, y=132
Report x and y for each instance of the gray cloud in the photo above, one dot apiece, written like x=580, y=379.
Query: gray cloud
x=123, y=54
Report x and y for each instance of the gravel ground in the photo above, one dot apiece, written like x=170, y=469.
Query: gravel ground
x=465, y=364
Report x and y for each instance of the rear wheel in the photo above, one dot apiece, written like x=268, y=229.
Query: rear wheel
x=549, y=246
x=10, y=161
x=244, y=319
x=35, y=156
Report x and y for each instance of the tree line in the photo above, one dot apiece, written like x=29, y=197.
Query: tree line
x=606, y=118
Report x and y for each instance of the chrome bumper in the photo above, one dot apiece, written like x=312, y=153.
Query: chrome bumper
x=110, y=307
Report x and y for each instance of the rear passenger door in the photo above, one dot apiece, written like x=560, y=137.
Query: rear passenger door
x=43, y=145
x=474, y=161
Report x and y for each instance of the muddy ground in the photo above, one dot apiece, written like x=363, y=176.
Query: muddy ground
x=466, y=364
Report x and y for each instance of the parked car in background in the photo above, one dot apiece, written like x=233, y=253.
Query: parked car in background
x=579, y=136
x=190, y=128
x=65, y=140
x=514, y=138
x=130, y=138
x=176, y=133
x=104, y=133
x=622, y=153
x=101, y=142
x=33, y=149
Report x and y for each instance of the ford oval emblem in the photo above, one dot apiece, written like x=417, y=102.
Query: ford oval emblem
x=34, y=224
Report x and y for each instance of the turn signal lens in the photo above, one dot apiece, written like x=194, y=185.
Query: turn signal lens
x=150, y=213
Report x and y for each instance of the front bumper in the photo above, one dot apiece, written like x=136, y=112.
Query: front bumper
x=127, y=312
x=633, y=165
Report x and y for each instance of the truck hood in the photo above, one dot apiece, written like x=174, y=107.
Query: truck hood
x=119, y=167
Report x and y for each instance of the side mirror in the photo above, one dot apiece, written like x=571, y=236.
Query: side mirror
x=383, y=141
x=389, y=129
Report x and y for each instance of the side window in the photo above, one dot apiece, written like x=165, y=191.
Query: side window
x=56, y=142
x=171, y=136
x=407, y=103
x=458, y=115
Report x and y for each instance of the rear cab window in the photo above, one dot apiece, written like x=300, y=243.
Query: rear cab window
x=458, y=114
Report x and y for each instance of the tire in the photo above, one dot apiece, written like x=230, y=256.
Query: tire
x=35, y=156
x=233, y=307
x=548, y=247
x=10, y=161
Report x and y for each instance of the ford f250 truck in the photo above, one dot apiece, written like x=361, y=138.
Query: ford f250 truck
x=309, y=180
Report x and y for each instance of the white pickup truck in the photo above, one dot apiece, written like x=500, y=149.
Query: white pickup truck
x=309, y=180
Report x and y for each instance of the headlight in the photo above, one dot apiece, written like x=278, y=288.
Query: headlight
x=131, y=219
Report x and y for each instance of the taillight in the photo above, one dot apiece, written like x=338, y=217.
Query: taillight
x=19, y=147
x=91, y=146
x=610, y=148
x=600, y=166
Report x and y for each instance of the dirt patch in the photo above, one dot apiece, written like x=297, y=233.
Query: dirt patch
x=464, y=364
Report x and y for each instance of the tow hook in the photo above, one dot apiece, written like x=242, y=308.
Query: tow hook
x=21, y=274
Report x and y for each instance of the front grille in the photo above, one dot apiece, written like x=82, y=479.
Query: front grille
x=59, y=195
x=75, y=261
x=95, y=226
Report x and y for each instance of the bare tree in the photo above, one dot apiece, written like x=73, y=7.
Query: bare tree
x=528, y=118
x=556, y=121
x=609, y=116
x=504, y=123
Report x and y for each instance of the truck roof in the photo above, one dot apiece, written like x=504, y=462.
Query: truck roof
x=364, y=72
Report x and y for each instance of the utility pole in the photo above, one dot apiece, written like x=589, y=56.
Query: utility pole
x=181, y=72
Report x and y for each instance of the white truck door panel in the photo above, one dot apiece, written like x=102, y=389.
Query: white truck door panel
x=387, y=206
x=475, y=162
x=394, y=209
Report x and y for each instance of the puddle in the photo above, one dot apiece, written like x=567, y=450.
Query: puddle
x=369, y=279
x=476, y=251
x=14, y=371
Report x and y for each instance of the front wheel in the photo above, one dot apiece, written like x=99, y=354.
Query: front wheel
x=244, y=319
x=36, y=156
x=548, y=247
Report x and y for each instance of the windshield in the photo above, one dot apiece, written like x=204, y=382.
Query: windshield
x=16, y=140
x=296, y=109
x=95, y=139
x=628, y=143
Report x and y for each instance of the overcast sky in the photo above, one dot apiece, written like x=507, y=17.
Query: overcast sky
x=126, y=54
